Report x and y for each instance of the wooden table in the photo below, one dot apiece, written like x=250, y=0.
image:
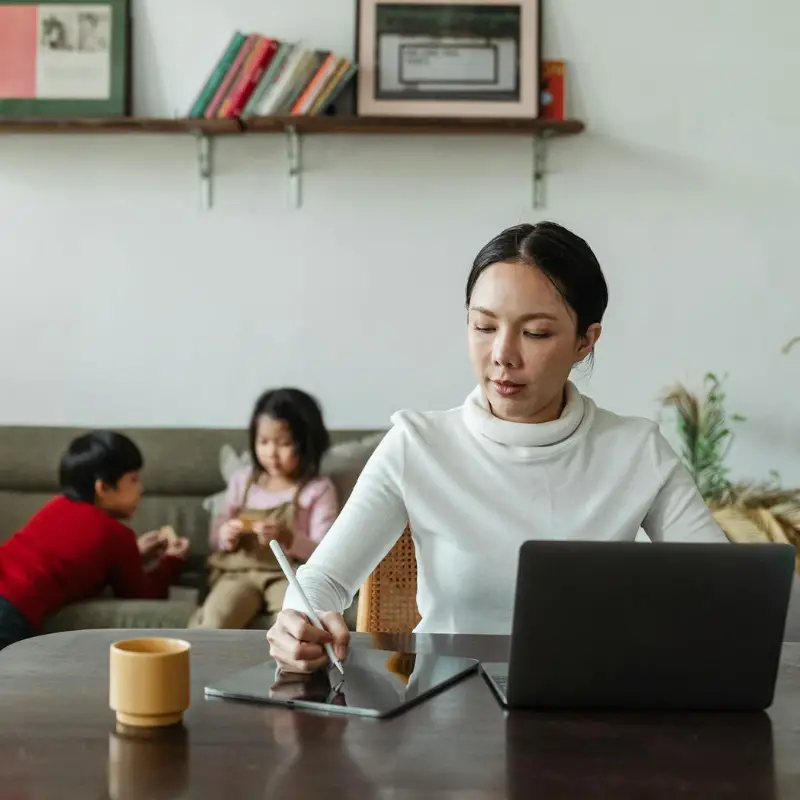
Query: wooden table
x=57, y=738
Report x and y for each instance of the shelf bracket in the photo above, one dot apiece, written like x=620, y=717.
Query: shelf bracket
x=204, y=169
x=539, y=169
x=295, y=154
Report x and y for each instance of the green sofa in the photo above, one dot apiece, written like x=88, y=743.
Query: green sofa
x=182, y=470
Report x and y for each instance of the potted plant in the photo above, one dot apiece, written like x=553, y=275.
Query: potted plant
x=746, y=511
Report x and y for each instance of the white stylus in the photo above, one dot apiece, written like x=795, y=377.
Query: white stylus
x=295, y=584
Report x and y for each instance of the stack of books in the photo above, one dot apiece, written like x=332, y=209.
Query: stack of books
x=257, y=76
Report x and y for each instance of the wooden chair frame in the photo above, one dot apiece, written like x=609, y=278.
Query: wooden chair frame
x=387, y=601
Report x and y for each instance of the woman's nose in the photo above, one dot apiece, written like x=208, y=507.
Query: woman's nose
x=504, y=353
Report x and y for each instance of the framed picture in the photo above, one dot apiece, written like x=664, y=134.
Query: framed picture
x=59, y=58
x=448, y=58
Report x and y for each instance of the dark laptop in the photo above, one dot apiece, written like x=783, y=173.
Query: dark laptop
x=641, y=626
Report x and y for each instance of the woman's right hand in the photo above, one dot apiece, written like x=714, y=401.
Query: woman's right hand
x=229, y=534
x=297, y=645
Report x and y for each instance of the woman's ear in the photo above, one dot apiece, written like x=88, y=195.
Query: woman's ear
x=588, y=341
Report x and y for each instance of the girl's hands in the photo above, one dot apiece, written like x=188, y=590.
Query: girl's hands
x=266, y=530
x=230, y=533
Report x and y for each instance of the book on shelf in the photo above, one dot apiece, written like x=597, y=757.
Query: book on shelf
x=213, y=108
x=259, y=76
x=214, y=80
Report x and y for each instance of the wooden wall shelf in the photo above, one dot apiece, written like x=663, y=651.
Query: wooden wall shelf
x=342, y=125
x=294, y=127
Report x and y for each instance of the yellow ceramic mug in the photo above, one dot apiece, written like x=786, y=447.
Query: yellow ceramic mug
x=149, y=681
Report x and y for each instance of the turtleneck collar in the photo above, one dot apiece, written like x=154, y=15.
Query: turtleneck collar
x=480, y=420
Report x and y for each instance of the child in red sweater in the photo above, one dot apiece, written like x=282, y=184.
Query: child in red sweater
x=77, y=544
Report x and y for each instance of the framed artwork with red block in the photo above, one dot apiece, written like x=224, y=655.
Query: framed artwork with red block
x=59, y=58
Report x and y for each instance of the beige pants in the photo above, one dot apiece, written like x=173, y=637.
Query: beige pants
x=237, y=598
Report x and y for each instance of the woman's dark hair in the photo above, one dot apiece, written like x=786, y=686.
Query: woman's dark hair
x=303, y=416
x=566, y=259
x=97, y=455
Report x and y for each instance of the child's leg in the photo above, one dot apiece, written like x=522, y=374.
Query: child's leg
x=13, y=626
x=234, y=600
x=274, y=592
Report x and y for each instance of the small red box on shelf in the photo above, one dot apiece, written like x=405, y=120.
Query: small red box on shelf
x=553, y=102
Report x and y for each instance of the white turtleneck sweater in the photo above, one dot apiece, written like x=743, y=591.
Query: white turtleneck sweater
x=475, y=487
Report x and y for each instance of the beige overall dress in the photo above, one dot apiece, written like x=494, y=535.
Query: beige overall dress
x=248, y=580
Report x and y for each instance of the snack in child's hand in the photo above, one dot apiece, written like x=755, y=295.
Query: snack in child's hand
x=168, y=532
x=247, y=518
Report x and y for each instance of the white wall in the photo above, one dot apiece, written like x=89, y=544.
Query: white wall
x=124, y=303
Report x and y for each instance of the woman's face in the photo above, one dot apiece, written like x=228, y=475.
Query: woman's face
x=523, y=342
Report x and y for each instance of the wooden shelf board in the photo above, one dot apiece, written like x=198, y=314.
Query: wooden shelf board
x=213, y=127
x=302, y=124
x=407, y=125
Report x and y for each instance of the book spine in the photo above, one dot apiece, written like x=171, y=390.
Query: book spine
x=217, y=75
x=230, y=77
x=341, y=69
x=315, y=86
x=337, y=89
x=272, y=99
x=297, y=86
x=251, y=74
x=267, y=79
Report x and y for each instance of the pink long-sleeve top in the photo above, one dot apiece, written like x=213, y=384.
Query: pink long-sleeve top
x=317, y=508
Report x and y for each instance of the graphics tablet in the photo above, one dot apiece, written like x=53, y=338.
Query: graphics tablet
x=376, y=683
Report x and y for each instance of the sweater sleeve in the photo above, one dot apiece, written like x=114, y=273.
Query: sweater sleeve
x=128, y=578
x=678, y=513
x=321, y=515
x=230, y=508
x=370, y=523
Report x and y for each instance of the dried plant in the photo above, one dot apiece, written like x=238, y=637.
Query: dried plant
x=705, y=435
x=746, y=511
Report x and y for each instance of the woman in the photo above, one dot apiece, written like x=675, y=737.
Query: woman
x=525, y=457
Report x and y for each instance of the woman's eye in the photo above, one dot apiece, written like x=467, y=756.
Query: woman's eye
x=481, y=329
x=532, y=335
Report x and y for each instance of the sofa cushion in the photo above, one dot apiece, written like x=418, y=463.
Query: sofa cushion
x=177, y=461
x=108, y=612
x=18, y=508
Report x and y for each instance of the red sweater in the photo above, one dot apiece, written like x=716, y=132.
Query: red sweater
x=70, y=551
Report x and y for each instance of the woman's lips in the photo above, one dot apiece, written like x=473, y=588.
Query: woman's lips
x=507, y=388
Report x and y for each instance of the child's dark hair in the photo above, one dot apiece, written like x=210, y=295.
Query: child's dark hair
x=303, y=416
x=98, y=455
